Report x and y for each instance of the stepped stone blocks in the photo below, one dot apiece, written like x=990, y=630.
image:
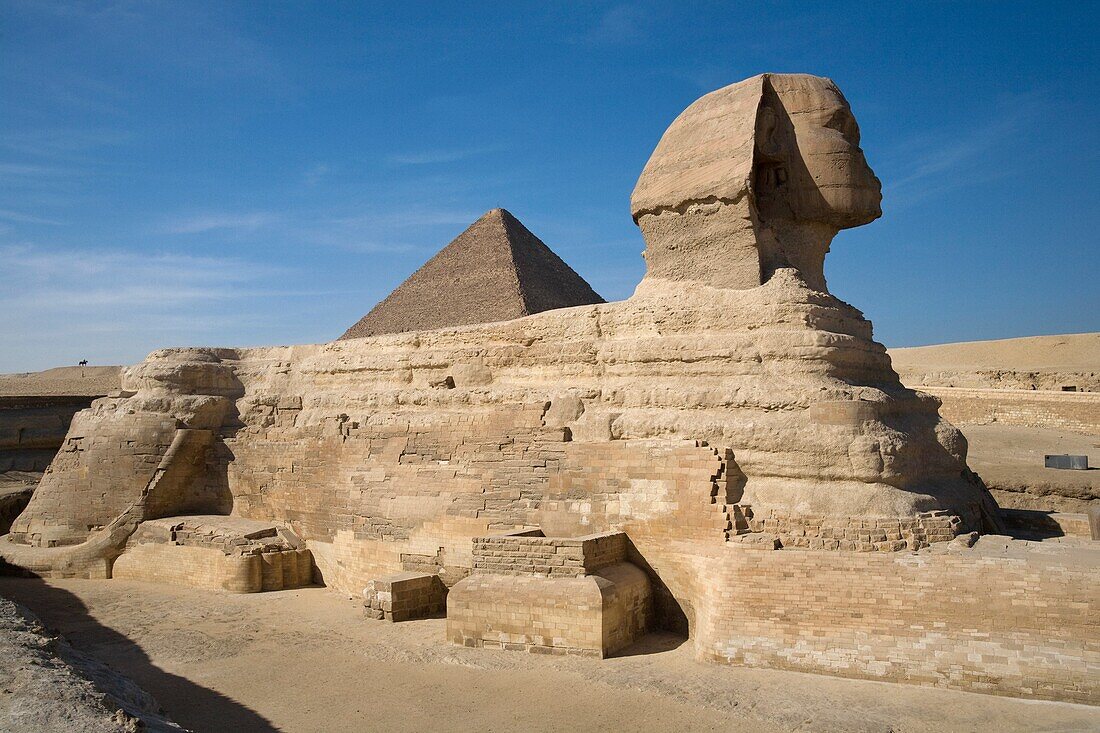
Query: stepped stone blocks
x=733, y=418
x=216, y=553
x=865, y=535
x=551, y=595
x=405, y=596
x=529, y=552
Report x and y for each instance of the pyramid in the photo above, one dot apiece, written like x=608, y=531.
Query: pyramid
x=496, y=270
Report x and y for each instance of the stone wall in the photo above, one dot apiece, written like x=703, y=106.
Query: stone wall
x=1077, y=411
x=196, y=567
x=872, y=534
x=654, y=487
x=32, y=429
x=217, y=553
x=530, y=553
x=1003, y=617
x=395, y=492
x=405, y=596
x=593, y=615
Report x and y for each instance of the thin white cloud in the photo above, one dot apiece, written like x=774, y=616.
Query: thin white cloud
x=28, y=266
x=29, y=170
x=64, y=143
x=619, y=25
x=394, y=231
x=198, y=40
x=200, y=223
x=933, y=165
x=398, y=231
x=315, y=173
x=433, y=157
x=61, y=305
x=21, y=218
x=410, y=217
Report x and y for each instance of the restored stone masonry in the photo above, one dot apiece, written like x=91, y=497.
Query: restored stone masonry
x=405, y=596
x=528, y=552
x=727, y=453
x=216, y=552
x=1078, y=411
x=1001, y=617
x=551, y=595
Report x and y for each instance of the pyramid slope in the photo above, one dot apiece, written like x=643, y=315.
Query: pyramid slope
x=496, y=270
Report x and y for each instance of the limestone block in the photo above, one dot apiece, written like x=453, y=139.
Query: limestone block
x=590, y=615
x=271, y=566
x=305, y=566
x=405, y=596
x=196, y=567
x=290, y=569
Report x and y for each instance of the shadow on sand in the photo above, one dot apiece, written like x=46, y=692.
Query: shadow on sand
x=188, y=704
x=655, y=642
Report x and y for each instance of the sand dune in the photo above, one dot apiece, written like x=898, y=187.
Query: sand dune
x=71, y=380
x=1034, y=362
x=1074, y=352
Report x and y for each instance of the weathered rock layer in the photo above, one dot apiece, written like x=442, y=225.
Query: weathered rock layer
x=731, y=404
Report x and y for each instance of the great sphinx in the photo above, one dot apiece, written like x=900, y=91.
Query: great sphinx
x=731, y=404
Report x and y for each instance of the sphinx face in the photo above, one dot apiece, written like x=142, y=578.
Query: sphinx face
x=815, y=154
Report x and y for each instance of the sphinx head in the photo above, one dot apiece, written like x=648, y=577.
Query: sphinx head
x=752, y=177
x=808, y=166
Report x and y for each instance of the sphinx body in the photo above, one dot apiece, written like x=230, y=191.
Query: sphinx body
x=732, y=398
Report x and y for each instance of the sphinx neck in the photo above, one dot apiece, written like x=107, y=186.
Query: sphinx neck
x=801, y=245
x=728, y=245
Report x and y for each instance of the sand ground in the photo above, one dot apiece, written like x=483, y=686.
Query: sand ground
x=1009, y=459
x=1033, y=362
x=1066, y=352
x=92, y=380
x=307, y=660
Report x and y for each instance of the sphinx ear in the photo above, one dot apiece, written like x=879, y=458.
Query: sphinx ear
x=769, y=171
x=767, y=123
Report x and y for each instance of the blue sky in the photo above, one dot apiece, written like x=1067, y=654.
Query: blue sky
x=263, y=173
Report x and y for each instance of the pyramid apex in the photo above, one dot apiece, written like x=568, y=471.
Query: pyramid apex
x=498, y=213
x=496, y=270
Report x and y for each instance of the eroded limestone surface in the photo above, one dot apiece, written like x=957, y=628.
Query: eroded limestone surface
x=731, y=404
x=47, y=685
x=751, y=178
x=689, y=411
